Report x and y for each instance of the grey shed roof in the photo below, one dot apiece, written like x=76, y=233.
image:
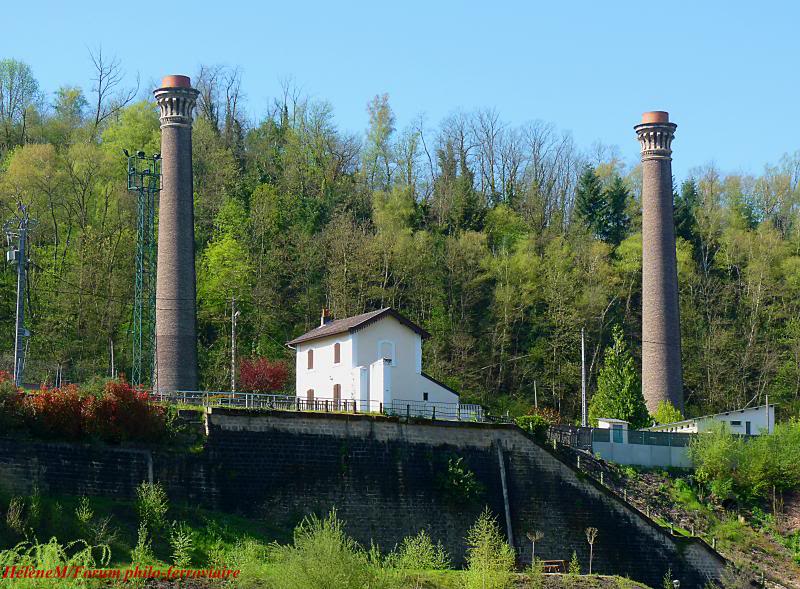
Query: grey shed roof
x=353, y=324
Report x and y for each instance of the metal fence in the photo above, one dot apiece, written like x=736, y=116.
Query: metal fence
x=571, y=436
x=397, y=407
x=643, y=438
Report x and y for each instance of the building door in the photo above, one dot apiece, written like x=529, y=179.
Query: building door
x=747, y=427
x=617, y=431
x=310, y=399
x=337, y=395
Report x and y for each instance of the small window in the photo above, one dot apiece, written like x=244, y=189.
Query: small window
x=736, y=423
x=310, y=395
x=424, y=396
x=337, y=353
x=337, y=394
x=311, y=359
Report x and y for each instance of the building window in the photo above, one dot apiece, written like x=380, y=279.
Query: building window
x=337, y=353
x=337, y=394
x=736, y=423
x=386, y=350
x=311, y=359
x=424, y=396
x=310, y=396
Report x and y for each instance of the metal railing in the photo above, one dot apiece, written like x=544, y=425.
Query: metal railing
x=397, y=407
x=643, y=438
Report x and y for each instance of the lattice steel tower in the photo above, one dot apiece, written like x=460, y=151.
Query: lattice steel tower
x=144, y=178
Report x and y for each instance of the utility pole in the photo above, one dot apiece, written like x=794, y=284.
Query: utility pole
x=19, y=255
x=584, y=417
x=234, y=317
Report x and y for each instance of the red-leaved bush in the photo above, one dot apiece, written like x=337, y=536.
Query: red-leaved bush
x=260, y=375
x=56, y=413
x=11, y=403
x=120, y=413
x=124, y=413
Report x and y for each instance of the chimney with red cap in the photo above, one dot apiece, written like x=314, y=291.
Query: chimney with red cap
x=176, y=333
x=661, y=332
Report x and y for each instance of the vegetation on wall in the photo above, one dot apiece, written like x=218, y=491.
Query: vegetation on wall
x=114, y=412
x=502, y=241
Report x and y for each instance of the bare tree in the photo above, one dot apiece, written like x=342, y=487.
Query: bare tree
x=534, y=537
x=110, y=96
x=220, y=100
x=591, y=536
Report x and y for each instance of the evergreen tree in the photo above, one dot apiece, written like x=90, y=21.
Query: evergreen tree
x=616, y=220
x=590, y=202
x=684, y=210
x=619, y=391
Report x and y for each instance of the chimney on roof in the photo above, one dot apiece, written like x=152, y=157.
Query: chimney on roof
x=326, y=317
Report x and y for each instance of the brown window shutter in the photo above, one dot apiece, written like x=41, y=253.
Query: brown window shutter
x=337, y=353
x=310, y=395
x=310, y=359
x=337, y=394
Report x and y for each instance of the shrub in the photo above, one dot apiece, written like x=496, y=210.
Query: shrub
x=322, y=555
x=181, y=539
x=11, y=403
x=260, y=375
x=459, y=485
x=574, y=565
x=534, y=424
x=56, y=413
x=124, y=413
x=420, y=553
x=489, y=557
x=117, y=413
x=753, y=469
x=51, y=555
x=152, y=504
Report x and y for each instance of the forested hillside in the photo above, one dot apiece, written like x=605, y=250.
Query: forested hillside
x=503, y=241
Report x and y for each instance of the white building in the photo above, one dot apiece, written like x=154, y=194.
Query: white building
x=374, y=359
x=752, y=421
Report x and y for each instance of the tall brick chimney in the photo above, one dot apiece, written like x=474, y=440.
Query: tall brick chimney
x=661, y=332
x=176, y=332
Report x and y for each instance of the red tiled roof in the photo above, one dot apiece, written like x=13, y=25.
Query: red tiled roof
x=353, y=324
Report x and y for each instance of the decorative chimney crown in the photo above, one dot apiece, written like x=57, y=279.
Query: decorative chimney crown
x=176, y=99
x=655, y=135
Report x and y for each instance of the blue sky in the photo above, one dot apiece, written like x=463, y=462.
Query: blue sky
x=727, y=71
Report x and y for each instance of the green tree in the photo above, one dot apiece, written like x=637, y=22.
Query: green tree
x=619, y=391
x=666, y=413
x=615, y=219
x=490, y=560
x=591, y=205
x=18, y=92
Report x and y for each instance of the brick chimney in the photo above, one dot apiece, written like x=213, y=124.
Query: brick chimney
x=176, y=332
x=661, y=332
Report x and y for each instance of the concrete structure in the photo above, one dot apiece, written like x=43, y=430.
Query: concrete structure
x=753, y=421
x=661, y=336
x=374, y=359
x=176, y=331
x=617, y=443
x=386, y=477
x=618, y=427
